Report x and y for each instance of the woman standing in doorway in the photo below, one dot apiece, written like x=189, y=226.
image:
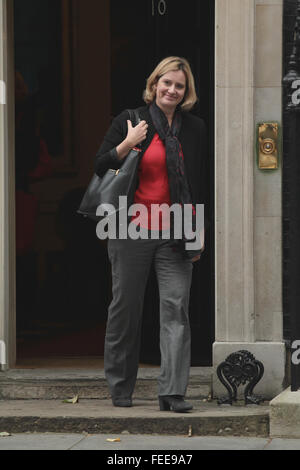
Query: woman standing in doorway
x=171, y=170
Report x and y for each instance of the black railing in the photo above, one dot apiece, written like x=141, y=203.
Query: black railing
x=291, y=184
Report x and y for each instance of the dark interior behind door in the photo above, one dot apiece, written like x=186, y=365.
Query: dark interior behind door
x=143, y=33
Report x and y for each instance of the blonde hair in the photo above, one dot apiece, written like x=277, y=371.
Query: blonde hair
x=172, y=64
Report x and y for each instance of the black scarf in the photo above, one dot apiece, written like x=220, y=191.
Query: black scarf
x=179, y=187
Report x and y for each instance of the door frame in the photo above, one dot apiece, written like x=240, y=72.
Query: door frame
x=7, y=195
x=7, y=192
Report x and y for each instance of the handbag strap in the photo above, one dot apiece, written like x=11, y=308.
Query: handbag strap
x=134, y=116
x=135, y=119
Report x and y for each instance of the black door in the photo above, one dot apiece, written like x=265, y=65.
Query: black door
x=143, y=33
x=291, y=187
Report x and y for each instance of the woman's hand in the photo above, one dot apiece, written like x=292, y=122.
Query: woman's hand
x=137, y=134
x=198, y=256
x=201, y=251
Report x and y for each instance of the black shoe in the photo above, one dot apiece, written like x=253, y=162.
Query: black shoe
x=125, y=402
x=175, y=403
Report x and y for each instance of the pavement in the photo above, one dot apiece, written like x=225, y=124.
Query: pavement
x=112, y=443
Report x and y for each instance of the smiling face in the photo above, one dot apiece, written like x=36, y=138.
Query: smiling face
x=170, y=89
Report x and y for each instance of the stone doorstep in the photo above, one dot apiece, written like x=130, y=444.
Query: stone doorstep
x=99, y=416
x=52, y=384
x=32, y=401
x=285, y=415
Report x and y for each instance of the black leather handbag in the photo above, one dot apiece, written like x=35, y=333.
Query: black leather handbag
x=115, y=183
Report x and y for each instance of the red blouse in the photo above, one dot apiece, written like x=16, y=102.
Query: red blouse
x=153, y=186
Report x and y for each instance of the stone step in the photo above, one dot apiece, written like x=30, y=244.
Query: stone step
x=100, y=417
x=55, y=384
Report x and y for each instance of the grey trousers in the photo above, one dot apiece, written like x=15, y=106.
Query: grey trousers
x=131, y=261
